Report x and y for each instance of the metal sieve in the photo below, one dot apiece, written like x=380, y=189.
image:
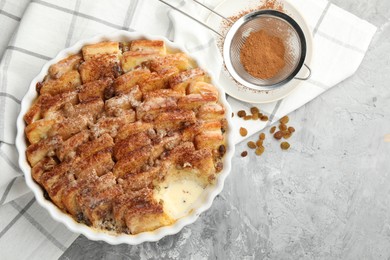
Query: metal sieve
x=274, y=23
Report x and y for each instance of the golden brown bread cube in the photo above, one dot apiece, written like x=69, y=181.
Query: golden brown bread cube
x=174, y=120
x=126, y=201
x=67, y=82
x=67, y=150
x=212, y=111
x=51, y=104
x=97, y=164
x=90, y=147
x=132, y=59
x=44, y=165
x=178, y=61
x=90, y=108
x=70, y=126
x=133, y=161
x=153, y=107
x=156, y=46
x=129, y=80
x=209, y=139
x=194, y=101
x=111, y=125
x=124, y=101
x=150, y=218
x=60, y=68
x=131, y=129
x=46, y=147
x=162, y=93
x=154, y=82
x=94, y=89
x=93, y=51
x=129, y=144
x=103, y=66
x=181, y=81
x=96, y=197
x=203, y=88
x=34, y=112
x=39, y=130
x=138, y=181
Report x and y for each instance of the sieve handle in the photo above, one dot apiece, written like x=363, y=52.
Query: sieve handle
x=308, y=76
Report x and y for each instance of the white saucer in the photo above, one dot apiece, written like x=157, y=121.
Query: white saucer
x=239, y=91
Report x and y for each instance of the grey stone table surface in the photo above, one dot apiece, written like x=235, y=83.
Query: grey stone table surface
x=328, y=197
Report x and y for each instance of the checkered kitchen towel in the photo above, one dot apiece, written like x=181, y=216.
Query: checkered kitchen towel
x=33, y=32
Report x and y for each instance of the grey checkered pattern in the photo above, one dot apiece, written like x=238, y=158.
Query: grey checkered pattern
x=26, y=231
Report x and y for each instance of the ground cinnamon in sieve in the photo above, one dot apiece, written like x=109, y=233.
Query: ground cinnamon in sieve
x=262, y=55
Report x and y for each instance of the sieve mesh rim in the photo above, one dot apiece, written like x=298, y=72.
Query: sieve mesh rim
x=249, y=17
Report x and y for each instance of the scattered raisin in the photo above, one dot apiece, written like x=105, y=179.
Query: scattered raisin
x=255, y=116
x=278, y=135
x=222, y=150
x=262, y=136
x=282, y=127
x=284, y=145
x=286, y=134
x=232, y=114
x=284, y=120
x=272, y=130
x=38, y=87
x=248, y=117
x=254, y=110
x=259, y=143
x=259, y=150
x=241, y=113
x=251, y=145
x=291, y=129
x=243, y=131
x=264, y=118
x=244, y=154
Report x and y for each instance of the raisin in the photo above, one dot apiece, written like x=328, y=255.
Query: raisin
x=282, y=127
x=232, y=114
x=291, y=129
x=255, y=116
x=264, y=118
x=259, y=150
x=241, y=113
x=284, y=120
x=38, y=87
x=284, y=145
x=278, y=135
x=243, y=131
x=286, y=134
x=272, y=130
x=259, y=143
x=262, y=136
x=222, y=150
x=248, y=117
x=251, y=145
x=244, y=153
x=254, y=110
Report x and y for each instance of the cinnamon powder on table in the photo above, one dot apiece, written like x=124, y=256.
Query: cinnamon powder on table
x=262, y=55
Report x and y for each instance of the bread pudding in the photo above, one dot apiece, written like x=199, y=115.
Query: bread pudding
x=125, y=136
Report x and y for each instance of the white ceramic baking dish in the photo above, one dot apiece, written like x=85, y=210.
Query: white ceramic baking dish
x=200, y=206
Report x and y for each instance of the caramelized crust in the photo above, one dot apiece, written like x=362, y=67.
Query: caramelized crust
x=64, y=66
x=128, y=81
x=67, y=82
x=103, y=66
x=94, y=51
x=181, y=81
x=94, y=89
x=114, y=123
